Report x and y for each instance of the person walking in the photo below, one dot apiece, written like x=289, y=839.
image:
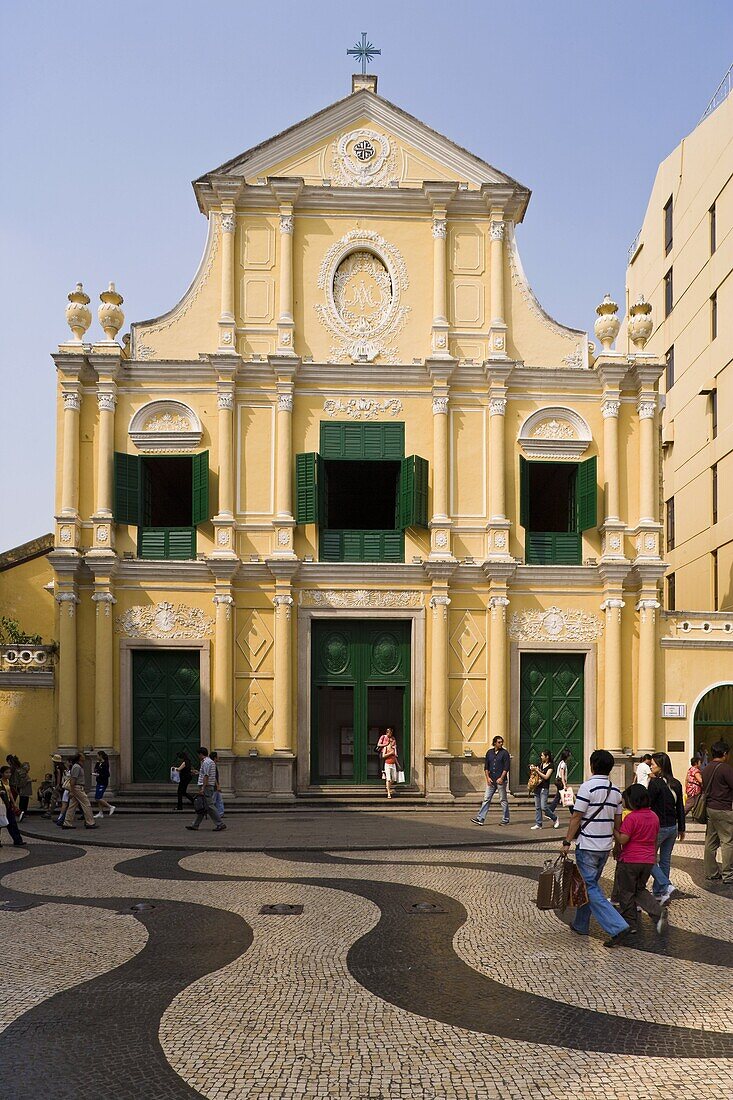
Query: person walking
x=637, y=841
x=561, y=779
x=389, y=758
x=667, y=802
x=693, y=784
x=218, y=797
x=24, y=784
x=717, y=782
x=496, y=770
x=9, y=805
x=184, y=778
x=543, y=771
x=58, y=779
x=643, y=770
x=65, y=792
x=101, y=780
x=78, y=798
x=206, y=783
x=597, y=812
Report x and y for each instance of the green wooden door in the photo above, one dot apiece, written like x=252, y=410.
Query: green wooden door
x=166, y=710
x=551, y=710
x=360, y=684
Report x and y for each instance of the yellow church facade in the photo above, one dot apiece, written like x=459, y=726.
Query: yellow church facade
x=356, y=477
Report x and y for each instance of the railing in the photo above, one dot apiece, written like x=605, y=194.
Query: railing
x=26, y=658
x=634, y=245
x=721, y=94
x=362, y=545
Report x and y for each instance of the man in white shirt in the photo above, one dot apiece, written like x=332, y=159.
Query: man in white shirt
x=597, y=811
x=643, y=771
x=206, y=788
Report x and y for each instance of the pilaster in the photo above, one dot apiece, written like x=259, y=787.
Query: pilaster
x=68, y=520
x=439, y=195
x=648, y=531
x=286, y=191
x=283, y=771
x=223, y=521
x=285, y=369
x=438, y=756
x=227, y=192
x=498, y=528
x=440, y=521
x=103, y=565
x=498, y=328
x=107, y=367
x=65, y=569
x=222, y=734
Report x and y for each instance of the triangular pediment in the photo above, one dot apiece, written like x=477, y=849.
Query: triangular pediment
x=363, y=140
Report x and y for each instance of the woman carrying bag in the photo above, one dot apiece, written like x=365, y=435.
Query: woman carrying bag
x=667, y=802
x=561, y=782
x=389, y=758
x=540, y=776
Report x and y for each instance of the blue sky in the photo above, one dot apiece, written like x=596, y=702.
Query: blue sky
x=111, y=109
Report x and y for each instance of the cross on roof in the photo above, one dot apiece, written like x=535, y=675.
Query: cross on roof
x=365, y=51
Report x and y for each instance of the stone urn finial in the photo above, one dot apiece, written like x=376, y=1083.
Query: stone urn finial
x=78, y=315
x=640, y=322
x=111, y=317
x=607, y=326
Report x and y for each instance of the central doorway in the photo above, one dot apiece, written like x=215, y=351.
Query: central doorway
x=166, y=711
x=361, y=684
x=551, y=710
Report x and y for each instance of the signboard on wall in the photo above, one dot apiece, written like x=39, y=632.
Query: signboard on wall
x=674, y=710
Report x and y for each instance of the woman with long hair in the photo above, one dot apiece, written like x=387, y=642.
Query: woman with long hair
x=184, y=778
x=389, y=759
x=668, y=803
x=561, y=778
x=543, y=771
x=101, y=777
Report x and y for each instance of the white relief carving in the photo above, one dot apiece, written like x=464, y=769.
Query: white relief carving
x=70, y=600
x=286, y=339
x=500, y=540
x=498, y=605
x=164, y=620
x=225, y=399
x=105, y=599
x=614, y=542
x=286, y=223
x=572, y=625
x=106, y=401
x=610, y=409
x=102, y=533
x=228, y=221
x=649, y=607
x=575, y=359
x=285, y=402
x=65, y=534
x=440, y=340
x=226, y=601
x=144, y=351
x=499, y=342
x=165, y=425
x=650, y=542
x=283, y=537
x=167, y=422
x=497, y=406
x=440, y=228
x=496, y=231
x=440, y=603
x=362, y=408
x=360, y=597
x=222, y=536
x=363, y=277
x=440, y=406
x=553, y=429
x=283, y=602
x=363, y=158
x=520, y=282
x=646, y=409
x=226, y=337
x=441, y=540
x=613, y=604
x=72, y=400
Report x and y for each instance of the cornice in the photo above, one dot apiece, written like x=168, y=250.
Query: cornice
x=543, y=577
x=361, y=574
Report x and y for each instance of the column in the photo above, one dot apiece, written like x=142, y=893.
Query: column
x=283, y=759
x=104, y=602
x=646, y=409
x=225, y=403
x=226, y=317
x=613, y=675
x=498, y=704
x=68, y=720
x=284, y=464
x=610, y=409
x=498, y=329
x=645, y=721
x=223, y=709
x=285, y=322
x=440, y=523
x=497, y=472
x=439, y=603
x=71, y=393
x=440, y=310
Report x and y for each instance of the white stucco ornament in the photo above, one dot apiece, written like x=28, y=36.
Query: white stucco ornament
x=360, y=597
x=164, y=620
x=165, y=426
x=78, y=315
x=111, y=317
x=640, y=322
x=363, y=277
x=363, y=158
x=362, y=408
x=607, y=326
x=572, y=625
x=555, y=432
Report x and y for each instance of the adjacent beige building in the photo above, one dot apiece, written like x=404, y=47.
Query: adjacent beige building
x=681, y=262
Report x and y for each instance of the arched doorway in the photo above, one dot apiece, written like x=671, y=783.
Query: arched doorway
x=713, y=718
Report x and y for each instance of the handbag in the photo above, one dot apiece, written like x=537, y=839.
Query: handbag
x=199, y=804
x=553, y=887
x=3, y=821
x=175, y=775
x=533, y=782
x=400, y=777
x=567, y=797
x=578, y=888
x=699, y=811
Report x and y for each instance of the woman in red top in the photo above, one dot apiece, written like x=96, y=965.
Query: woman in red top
x=637, y=852
x=389, y=758
x=693, y=783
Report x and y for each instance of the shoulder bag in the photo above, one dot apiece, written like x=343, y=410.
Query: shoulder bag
x=699, y=810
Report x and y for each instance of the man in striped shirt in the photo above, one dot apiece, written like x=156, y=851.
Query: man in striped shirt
x=596, y=812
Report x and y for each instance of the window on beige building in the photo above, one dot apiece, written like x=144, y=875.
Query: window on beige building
x=713, y=315
x=714, y=413
x=669, y=373
x=713, y=242
x=716, y=596
x=670, y=523
x=668, y=293
x=668, y=236
x=714, y=472
x=670, y=593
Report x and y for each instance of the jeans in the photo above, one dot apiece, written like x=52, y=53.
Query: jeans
x=590, y=865
x=219, y=803
x=719, y=834
x=491, y=789
x=209, y=810
x=541, y=807
x=660, y=871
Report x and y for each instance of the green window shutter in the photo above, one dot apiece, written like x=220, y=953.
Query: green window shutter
x=330, y=546
x=413, y=493
x=152, y=542
x=394, y=440
x=181, y=543
x=127, y=488
x=200, y=487
x=586, y=494
x=306, y=486
x=359, y=442
x=524, y=492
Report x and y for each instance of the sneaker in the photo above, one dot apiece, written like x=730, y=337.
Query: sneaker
x=557, y=823
x=617, y=940
x=90, y=826
x=477, y=821
x=219, y=828
x=666, y=896
x=112, y=810
x=100, y=814
x=192, y=828
x=663, y=922
x=21, y=815
x=536, y=826
x=503, y=822
x=576, y=930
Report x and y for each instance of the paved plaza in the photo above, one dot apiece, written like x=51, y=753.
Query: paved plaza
x=405, y=970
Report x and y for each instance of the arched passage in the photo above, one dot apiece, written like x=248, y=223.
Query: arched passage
x=713, y=718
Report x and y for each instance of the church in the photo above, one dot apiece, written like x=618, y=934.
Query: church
x=356, y=477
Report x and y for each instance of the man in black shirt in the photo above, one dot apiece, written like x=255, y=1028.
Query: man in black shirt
x=496, y=770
